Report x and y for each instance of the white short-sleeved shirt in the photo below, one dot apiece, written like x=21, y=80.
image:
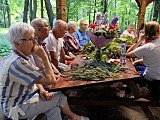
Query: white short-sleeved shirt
x=54, y=44
x=128, y=34
x=150, y=53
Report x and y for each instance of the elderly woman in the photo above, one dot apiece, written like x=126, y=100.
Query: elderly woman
x=19, y=74
x=150, y=52
x=129, y=32
x=70, y=41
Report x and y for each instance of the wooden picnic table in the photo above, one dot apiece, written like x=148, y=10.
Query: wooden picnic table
x=127, y=76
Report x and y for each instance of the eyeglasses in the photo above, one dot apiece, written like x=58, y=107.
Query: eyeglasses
x=31, y=39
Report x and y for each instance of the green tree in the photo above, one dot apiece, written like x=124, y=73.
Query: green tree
x=26, y=4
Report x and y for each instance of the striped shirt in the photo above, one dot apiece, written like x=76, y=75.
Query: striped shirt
x=17, y=76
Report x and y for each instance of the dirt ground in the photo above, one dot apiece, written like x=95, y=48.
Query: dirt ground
x=114, y=113
x=111, y=113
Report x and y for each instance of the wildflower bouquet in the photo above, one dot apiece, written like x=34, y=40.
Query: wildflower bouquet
x=100, y=32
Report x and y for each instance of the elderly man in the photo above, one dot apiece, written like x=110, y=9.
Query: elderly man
x=41, y=32
x=81, y=34
x=18, y=75
x=55, y=44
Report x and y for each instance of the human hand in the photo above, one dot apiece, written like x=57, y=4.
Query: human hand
x=134, y=63
x=73, y=57
x=38, y=50
x=134, y=30
x=141, y=37
x=45, y=95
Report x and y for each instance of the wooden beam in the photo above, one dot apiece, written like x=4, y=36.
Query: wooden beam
x=138, y=2
x=142, y=9
x=141, y=14
x=149, y=1
x=61, y=9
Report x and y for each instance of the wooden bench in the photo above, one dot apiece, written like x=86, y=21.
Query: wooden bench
x=112, y=102
x=74, y=98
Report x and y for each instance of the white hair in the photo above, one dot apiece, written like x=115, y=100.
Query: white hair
x=17, y=31
x=38, y=22
x=70, y=23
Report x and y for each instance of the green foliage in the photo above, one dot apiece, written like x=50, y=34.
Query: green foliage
x=127, y=40
x=112, y=50
x=5, y=49
x=94, y=70
x=126, y=10
x=17, y=9
x=5, y=46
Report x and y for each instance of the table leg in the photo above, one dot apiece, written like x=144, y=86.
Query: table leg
x=137, y=94
x=148, y=112
x=133, y=88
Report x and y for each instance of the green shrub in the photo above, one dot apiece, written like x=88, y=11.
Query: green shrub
x=5, y=46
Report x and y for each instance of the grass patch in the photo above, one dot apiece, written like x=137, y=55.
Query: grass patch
x=5, y=46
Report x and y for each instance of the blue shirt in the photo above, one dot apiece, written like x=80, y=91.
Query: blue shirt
x=82, y=37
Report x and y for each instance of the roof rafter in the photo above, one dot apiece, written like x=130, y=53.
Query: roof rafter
x=139, y=2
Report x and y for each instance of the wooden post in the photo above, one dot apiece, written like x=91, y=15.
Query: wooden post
x=141, y=14
x=61, y=9
x=142, y=4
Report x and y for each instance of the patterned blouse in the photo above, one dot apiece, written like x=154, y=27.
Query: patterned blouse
x=71, y=44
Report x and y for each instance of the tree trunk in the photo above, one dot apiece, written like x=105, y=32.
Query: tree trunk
x=115, y=6
x=34, y=11
x=158, y=10
x=155, y=13
x=150, y=13
x=42, y=15
x=68, y=9
x=8, y=13
x=94, y=11
x=4, y=16
x=105, y=6
x=30, y=10
x=49, y=11
x=26, y=4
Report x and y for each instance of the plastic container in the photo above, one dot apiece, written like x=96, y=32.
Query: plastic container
x=123, y=53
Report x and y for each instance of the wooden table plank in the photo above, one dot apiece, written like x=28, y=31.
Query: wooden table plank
x=65, y=83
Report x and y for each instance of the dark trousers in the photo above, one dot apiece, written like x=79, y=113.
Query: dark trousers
x=154, y=88
x=140, y=68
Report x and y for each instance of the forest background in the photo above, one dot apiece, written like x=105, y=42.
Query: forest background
x=76, y=10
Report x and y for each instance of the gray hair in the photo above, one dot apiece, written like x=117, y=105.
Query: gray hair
x=70, y=23
x=82, y=21
x=17, y=31
x=38, y=22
